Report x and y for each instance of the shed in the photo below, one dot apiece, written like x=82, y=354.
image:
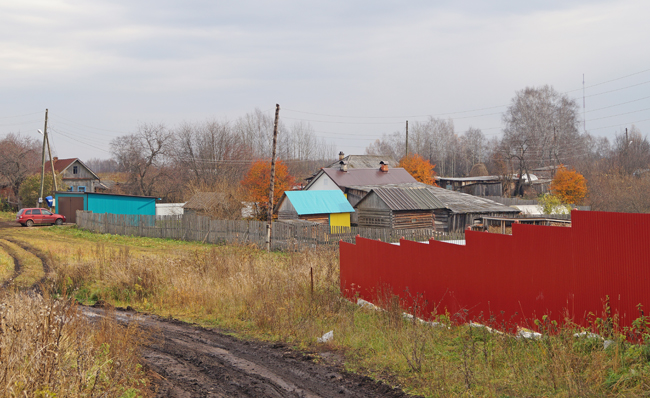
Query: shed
x=458, y=211
x=477, y=186
x=325, y=207
x=462, y=209
x=67, y=203
x=400, y=207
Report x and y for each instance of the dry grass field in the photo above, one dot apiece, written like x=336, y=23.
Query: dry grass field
x=270, y=296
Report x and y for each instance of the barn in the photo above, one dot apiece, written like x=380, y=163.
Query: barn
x=324, y=207
x=393, y=205
x=67, y=203
x=398, y=207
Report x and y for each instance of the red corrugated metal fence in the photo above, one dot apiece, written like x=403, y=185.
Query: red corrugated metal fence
x=538, y=270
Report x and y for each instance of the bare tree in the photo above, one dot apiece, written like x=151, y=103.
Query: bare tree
x=631, y=150
x=102, y=165
x=541, y=128
x=19, y=157
x=144, y=156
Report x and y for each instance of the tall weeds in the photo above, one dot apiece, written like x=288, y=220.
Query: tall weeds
x=270, y=295
x=49, y=349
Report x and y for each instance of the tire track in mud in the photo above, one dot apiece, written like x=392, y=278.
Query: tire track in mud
x=36, y=286
x=17, y=265
x=190, y=361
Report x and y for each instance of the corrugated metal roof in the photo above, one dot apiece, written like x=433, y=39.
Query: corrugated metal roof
x=319, y=202
x=364, y=162
x=409, y=198
x=469, y=179
x=455, y=201
x=369, y=176
x=464, y=203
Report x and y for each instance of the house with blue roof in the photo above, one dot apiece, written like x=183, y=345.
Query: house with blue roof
x=324, y=207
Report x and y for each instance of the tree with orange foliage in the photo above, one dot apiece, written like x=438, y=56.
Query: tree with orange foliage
x=257, y=183
x=569, y=185
x=419, y=168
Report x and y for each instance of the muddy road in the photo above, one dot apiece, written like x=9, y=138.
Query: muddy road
x=185, y=360
x=189, y=361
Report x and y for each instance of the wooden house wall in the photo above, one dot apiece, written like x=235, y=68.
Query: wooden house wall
x=319, y=218
x=484, y=189
x=354, y=196
x=82, y=172
x=413, y=219
x=448, y=221
x=376, y=218
x=286, y=211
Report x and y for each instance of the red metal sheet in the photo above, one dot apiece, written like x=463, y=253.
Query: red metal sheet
x=538, y=270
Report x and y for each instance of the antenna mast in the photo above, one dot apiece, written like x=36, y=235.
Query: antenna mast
x=584, y=119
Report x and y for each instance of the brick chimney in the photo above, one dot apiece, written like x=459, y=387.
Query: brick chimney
x=383, y=166
x=343, y=165
x=55, y=159
x=341, y=155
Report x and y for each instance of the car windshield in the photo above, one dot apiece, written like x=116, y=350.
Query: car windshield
x=21, y=211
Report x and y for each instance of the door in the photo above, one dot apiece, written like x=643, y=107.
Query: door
x=48, y=217
x=37, y=217
x=68, y=206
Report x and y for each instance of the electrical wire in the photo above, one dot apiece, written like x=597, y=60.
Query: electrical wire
x=25, y=114
x=77, y=140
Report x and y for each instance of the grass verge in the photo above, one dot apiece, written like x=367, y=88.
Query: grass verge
x=6, y=265
x=50, y=350
x=31, y=268
x=271, y=296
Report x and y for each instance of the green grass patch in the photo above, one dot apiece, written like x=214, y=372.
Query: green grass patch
x=31, y=267
x=6, y=265
x=7, y=216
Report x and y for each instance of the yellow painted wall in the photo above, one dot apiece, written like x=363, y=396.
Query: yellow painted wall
x=339, y=220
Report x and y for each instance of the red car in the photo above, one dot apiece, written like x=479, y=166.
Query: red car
x=31, y=216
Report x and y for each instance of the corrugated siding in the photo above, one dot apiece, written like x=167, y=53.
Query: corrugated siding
x=536, y=271
x=115, y=204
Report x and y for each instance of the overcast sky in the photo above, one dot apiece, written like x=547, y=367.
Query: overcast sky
x=354, y=69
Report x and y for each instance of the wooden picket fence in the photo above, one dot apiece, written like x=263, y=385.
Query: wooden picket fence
x=283, y=236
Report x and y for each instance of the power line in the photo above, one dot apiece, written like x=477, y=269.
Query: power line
x=21, y=123
x=622, y=103
x=79, y=141
x=25, y=114
x=609, y=81
x=620, y=124
x=620, y=114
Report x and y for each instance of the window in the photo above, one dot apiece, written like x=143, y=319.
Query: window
x=75, y=169
x=81, y=189
x=46, y=213
x=36, y=212
x=28, y=212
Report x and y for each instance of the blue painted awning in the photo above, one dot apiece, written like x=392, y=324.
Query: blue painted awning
x=319, y=202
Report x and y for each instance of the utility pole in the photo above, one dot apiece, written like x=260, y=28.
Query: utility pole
x=49, y=152
x=407, y=138
x=40, y=196
x=270, y=209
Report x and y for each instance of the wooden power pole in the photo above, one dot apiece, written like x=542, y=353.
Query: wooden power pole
x=407, y=138
x=49, y=152
x=270, y=209
x=40, y=196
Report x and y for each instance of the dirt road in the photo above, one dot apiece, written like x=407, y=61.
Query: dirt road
x=189, y=361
